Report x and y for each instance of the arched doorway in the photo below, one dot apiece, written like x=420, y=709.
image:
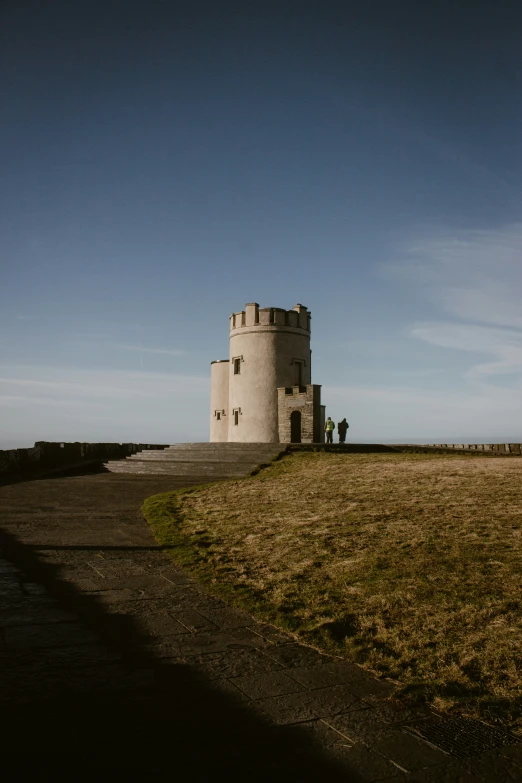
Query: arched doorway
x=295, y=427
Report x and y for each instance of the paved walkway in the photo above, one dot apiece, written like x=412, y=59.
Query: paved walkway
x=112, y=658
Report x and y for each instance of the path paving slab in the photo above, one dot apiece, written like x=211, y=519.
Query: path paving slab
x=308, y=705
x=260, y=686
x=408, y=751
x=369, y=765
x=492, y=765
x=370, y=723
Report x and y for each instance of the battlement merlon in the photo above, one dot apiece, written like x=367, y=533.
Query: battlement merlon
x=271, y=318
x=308, y=391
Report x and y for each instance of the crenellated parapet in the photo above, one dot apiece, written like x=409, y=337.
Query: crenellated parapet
x=275, y=318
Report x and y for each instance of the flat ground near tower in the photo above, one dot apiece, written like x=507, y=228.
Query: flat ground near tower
x=408, y=564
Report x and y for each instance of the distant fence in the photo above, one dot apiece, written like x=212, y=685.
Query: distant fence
x=501, y=448
x=493, y=449
x=46, y=457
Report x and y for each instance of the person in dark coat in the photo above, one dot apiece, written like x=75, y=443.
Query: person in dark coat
x=341, y=429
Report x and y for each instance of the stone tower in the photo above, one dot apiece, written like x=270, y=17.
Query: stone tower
x=269, y=351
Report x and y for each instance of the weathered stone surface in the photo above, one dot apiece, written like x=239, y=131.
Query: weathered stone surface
x=513, y=752
x=194, y=621
x=409, y=752
x=367, y=764
x=272, y=634
x=178, y=598
x=26, y=685
x=147, y=584
x=295, y=655
x=224, y=617
x=219, y=641
x=8, y=569
x=10, y=587
x=162, y=649
x=260, y=686
x=329, y=673
x=161, y=624
x=50, y=635
x=226, y=686
x=363, y=725
x=319, y=732
x=22, y=610
x=231, y=663
x=493, y=766
x=447, y=773
x=308, y=705
x=373, y=721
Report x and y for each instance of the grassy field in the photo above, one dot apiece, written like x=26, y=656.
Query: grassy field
x=408, y=564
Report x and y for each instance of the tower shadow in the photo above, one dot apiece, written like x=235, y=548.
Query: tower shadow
x=164, y=724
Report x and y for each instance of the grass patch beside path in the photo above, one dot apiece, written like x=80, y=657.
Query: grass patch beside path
x=408, y=564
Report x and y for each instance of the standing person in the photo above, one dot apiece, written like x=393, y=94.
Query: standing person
x=329, y=428
x=341, y=429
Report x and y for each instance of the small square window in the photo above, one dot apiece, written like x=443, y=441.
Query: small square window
x=237, y=366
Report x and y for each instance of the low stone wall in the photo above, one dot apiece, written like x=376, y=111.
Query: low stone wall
x=492, y=449
x=344, y=448
x=46, y=457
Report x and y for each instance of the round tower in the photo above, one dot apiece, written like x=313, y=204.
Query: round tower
x=269, y=348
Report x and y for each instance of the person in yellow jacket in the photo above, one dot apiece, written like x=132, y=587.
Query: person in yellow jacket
x=329, y=429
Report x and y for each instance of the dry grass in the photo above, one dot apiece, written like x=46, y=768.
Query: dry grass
x=408, y=564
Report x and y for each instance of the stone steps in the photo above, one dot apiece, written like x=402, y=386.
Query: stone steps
x=179, y=469
x=195, y=447
x=200, y=457
x=195, y=461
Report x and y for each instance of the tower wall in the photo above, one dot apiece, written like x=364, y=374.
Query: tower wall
x=219, y=374
x=269, y=348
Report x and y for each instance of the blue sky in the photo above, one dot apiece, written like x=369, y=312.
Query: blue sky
x=163, y=163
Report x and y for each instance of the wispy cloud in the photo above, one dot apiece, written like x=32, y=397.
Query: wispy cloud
x=147, y=349
x=17, y=400
x=503, y=344
x=64, y=403
x=92, y=384
x=109, y=385
x=475, y=277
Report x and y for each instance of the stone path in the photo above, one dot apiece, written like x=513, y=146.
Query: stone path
x=111, y=658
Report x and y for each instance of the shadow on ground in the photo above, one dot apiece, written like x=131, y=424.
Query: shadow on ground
x=162, y=723
x=79, y=469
